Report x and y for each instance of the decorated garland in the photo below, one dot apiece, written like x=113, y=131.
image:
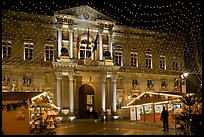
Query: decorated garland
x=13, y=106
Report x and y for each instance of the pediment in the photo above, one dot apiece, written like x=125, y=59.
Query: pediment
x=81, y=12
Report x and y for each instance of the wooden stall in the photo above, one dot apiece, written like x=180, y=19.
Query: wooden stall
x=148, y=106
x=24, y=113
x=15, y=112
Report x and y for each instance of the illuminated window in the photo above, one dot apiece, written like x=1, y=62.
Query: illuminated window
x=85, y=49
x=148, y=60
x=175, y=64
x=176, y=83
x=162, y=62
x=49, y=53
x=134, y=82
x=149, y=83
x=105, y=48
x=134, y=59
x=28, y=51
x=117, y=58
x=6, y=49
x=163, y=84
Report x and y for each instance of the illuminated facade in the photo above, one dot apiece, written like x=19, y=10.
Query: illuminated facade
x=84, y=60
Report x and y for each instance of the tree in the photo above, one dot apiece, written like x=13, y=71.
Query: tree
x=191, y=115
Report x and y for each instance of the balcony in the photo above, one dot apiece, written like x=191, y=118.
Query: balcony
x=65, y=60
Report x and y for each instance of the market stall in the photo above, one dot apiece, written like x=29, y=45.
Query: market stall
x=148, y=106
x=43, y=114
x=15, y=112
x=24, y=113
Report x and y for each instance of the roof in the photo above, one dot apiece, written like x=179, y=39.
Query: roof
x=150, y=97
x=18, y=96
x=77, y=11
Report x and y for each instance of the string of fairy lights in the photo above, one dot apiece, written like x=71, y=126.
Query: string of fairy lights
x=180, y=22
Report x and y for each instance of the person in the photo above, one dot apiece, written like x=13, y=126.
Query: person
x=164, y=118
x=88, y=113
x=106, y=116
x=102, y=115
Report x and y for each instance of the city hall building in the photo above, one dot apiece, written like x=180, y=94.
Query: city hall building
x=84, y=60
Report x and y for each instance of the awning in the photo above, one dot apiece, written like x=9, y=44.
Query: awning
x=154, y=97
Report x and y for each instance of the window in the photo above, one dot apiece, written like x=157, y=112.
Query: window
x=162, y=62
x=134, y=60
x=105, y=48
x=163, y=84
x=49, y=53
x=117, y=58
x=175, y=64
x=149, y=83
x=117, y=55
x=6, y=49
x=176, y=83
x=28, y=51
x=148, y=60
x=134, y=83
x=85, y=51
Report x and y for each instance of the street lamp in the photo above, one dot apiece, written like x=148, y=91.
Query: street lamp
x=183, y=82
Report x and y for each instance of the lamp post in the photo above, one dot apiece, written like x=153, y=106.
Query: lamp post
x=183, y=82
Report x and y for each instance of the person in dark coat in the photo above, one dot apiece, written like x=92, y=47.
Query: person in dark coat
x=164, y=118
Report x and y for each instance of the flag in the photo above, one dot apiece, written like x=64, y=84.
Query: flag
x=88, y=39
x=95, y=43
x=77, y=43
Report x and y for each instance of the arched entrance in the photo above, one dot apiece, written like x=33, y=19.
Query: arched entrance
x=86, y=101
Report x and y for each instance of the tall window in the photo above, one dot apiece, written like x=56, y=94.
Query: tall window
x=176, y=83
x=175, y=64
x=162, y=62
x=28, y=51
x=149, y=83
x=148, y=60
x=134, y=59
x=85, y=51
x=49, y=53
x=105, y=48
x=6, y=49
x=117, y=55
x=117, y=58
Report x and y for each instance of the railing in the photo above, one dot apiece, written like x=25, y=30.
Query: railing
x=106, y=62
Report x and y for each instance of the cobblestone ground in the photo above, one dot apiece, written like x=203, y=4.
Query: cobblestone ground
x=117, y=127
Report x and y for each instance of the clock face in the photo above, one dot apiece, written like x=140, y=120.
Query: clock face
x=86, y=16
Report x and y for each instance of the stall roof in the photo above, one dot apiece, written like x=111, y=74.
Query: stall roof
x=18, y=96
x=147, y=97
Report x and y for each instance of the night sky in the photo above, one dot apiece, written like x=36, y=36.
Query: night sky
x=161, y=15
x=179, y=18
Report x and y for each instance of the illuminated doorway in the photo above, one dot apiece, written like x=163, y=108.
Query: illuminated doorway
x=86, y=101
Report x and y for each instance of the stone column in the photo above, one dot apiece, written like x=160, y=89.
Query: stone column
x=114, y=79
x=100, y=44
x=59, y=29
x=59, y=89
x=71, y=29
x=110, y=43
x=103, y=92
x=71, y=93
